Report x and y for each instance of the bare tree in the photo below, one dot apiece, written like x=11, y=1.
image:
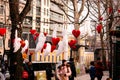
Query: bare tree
x=76, y=7
x=17, y=17
x=109, y=11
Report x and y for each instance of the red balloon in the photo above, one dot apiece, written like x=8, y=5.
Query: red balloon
x=33, y=31
x=55, y=41
x=72, y=43
x=53, y=47
x=22, y=43
x=76, y=33
x=25, y=74
x=2, y=31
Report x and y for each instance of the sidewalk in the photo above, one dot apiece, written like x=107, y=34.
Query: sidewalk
x=87, y=77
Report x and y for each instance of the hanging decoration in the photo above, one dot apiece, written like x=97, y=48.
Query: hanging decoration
x=72, y=43
x=32, y=31
x=40, y=43
x=22, y=43
x=60, y=48
x=118, y=10
x=24, y=55
x=2, y=31
x=53, y=47
x=76, y=33
x=100, y=18
x=25, y=48
x=55, y=41
x=45, y=33
x=110, y=10
x=16, y=43
x=99, y=28
x=44, y=46
x=47, y=50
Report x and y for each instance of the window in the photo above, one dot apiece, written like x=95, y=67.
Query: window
x=44, y=21
x=47, y=2
x=1, y=9
x=37, y=10
x=29, y=37
x=44, y=2
x=27, y=21
x=44, y=11
x=37, y=21
x=38, y=2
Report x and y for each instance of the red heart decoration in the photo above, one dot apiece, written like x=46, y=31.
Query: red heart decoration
x=55, y=41
x=118, y=10
x=99, y=28
x=76, y=33
x=44, y=46
x=73, y=47
x=22, y=43
x=36, y=34
x=2, y=31
x=72, y=43
x=26, y=50
x=45, y=34
x=53, y=47
x=110, y=10
x=33, y=31
x=100, y=18
x=42, y=50
x=34, y=37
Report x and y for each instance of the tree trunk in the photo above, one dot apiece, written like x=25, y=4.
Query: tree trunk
x=16, y=60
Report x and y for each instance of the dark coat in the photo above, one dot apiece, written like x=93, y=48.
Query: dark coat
x=73, y=68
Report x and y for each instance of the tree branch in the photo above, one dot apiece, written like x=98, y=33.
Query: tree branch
x=82, y=8
x=86, y=14
x=25, y=10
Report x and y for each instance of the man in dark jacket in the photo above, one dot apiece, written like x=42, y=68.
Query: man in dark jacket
x=73, y=69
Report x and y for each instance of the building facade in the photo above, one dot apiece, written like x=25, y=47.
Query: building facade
x=44, y=16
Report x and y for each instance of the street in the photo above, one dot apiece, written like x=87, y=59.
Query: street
x=87, y=77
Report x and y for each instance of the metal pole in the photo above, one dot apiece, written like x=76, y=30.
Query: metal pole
x=70, y=53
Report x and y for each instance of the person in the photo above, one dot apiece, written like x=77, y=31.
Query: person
x=99, y=69
x=64, y=71
x=49, y=73
x=92, y=70
x=29, y=68
x=73, y=69
x=59, y=72
x=109, y=79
